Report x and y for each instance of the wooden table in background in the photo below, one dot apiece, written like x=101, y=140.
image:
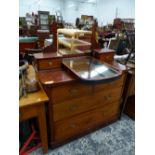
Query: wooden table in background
x=33, y=106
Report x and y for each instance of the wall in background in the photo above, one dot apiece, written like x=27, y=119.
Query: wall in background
x=125, y=9
x=104, y=10
x=73, y=9
x=43, y=5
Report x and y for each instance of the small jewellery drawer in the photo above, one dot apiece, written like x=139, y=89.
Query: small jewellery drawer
x=70, y=90
x=75, y=125
x=49, y=63
x=107, y=57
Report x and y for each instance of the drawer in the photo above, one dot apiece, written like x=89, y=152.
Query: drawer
x=78, y=105
x=27, y=112
x=107, y=57
x=78, y=124
x=49, y=64
x=110, y=85
x=69, y=91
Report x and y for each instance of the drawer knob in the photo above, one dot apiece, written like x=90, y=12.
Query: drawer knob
x=50, y=63
x=73, y=91
x=108, y=97
x=111, y=83
x=73, y=107
x=103, y=114
x=72, y=126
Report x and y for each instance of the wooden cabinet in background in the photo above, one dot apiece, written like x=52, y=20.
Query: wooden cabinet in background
x=43, y=20
x=128, y=106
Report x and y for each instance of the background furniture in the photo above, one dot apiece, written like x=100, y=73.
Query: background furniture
x=33, y=105
x=72, y=41
x=43, y=20
x=27, y=42
x=128, y=105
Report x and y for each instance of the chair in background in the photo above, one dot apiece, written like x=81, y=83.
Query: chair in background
x=131, y=45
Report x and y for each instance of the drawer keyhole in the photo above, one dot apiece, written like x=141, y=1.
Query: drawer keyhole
x=108, y=97
x=73, y=107
x=50, y=63
x=73, y=126
x=73, y=91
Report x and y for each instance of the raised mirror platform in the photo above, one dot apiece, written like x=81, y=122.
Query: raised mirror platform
x=90, y=69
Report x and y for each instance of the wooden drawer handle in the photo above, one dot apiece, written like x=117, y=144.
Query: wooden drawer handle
x=73, y=126
x=103, y=114
x=108, y=97
x=73, y=107
x=73, y=91
x=50, y=63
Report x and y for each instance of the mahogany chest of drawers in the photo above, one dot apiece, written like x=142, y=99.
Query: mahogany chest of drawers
x=76, y=108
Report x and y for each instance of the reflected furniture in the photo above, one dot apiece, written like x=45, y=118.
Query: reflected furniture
x=33, y=105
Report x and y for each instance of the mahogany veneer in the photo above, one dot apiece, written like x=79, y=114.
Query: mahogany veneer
x=76, y=108
x=105, y=55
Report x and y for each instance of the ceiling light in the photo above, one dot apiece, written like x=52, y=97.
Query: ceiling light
x=71, y=5
x=91, y=1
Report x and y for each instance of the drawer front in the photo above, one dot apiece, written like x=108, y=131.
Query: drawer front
x=117, y=83
x=71, y=107
x=49, y=64
x=107, y=57
x=69, y=91
x=27, y=112
x=78, y=124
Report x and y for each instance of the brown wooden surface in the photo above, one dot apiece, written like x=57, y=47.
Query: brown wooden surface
x=23, y=46
x=33, y=106
x=84, y=103
x=58, y=143
x=52, y=48
x=49, y=63
x=74, y=125
x=48, y=60
x=67, y=108
x=40, y=56
x=103, y=51
x=69, y=91
x=54, y=77
x=71, y=99
x=128, y=105
x=105, y=55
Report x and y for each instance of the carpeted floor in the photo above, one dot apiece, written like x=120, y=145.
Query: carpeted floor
x=115, y=139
